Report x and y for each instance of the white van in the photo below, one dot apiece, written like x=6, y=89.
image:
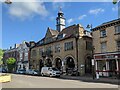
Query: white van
x=50, y=71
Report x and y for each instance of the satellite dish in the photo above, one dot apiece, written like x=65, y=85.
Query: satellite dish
x=8, y=2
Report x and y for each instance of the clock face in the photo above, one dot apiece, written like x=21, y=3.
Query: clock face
x=62, y=21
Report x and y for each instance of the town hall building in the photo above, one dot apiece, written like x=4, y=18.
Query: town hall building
x=67, y=48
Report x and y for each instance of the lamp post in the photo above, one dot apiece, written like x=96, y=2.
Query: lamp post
x=93, y=66
x=8, y=2
x=89, y=26
x=116, y=58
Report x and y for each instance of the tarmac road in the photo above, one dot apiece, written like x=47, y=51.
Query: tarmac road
x=26, y=81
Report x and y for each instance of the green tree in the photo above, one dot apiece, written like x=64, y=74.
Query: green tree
x=1, y=55
x=11, y=64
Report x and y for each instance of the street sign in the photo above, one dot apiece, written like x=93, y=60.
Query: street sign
x=93, y=62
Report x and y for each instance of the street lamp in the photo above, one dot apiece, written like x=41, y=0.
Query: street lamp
x=8, y=2
x=118, y=74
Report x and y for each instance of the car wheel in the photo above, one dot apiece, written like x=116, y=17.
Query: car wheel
x=50, y=75
x=42, y=74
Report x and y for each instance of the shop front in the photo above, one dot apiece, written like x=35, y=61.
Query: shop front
x=107, y=64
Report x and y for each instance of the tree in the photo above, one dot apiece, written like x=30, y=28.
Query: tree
x=11, y=64
x=1, y=55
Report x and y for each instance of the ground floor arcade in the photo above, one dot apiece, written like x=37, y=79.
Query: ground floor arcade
x=67, y=65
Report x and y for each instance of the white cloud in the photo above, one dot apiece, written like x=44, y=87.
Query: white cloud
x=69, y=21
x=96, y=11
x=25, y=10
x=81, y=17
x=115, y=8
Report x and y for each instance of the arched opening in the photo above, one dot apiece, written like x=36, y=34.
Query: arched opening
x=58, y=63
x=70, y=65
x=88, y=65
x=48, y=62
x=41, y=64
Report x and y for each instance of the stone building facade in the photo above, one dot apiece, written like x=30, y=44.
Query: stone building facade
x=106, y=41
x=69, y=49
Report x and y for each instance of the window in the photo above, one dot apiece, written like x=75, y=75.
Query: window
x=61, y=36
x=26, y=54
x=57, y=48
x=88, y=45
x=117, y=29
x=103, y=47
x=103, y=33
x=34, y=53
x=118, y=45
x=68, y=46
x=41, y=51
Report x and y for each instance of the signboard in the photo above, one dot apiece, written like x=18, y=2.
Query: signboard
x=93, y=62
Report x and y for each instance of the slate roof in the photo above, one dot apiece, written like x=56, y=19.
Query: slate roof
x=107, y=24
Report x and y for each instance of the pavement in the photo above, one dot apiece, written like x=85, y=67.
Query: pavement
x=27, y=81
x=90, y=79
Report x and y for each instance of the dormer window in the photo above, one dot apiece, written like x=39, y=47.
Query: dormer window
x=61, y=36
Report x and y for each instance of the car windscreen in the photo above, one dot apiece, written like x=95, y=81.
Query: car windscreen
x=55, y=69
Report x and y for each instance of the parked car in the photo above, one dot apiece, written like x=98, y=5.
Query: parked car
x=21, y=71
x=4, y=70
x=50, y=71
x=32, y=72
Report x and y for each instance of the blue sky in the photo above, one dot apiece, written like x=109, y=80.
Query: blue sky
x=29, y=21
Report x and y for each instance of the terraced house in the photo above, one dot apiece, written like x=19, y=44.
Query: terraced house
x=106, y=40
x=67, y=48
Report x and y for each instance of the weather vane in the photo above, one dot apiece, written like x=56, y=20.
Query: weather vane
x=8, y=2
x=60, y=8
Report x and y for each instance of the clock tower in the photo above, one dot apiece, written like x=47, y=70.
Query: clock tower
x=60, y=21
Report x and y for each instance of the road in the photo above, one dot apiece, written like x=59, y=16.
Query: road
x=26, y=81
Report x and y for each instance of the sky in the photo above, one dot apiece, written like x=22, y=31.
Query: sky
x=28, y=21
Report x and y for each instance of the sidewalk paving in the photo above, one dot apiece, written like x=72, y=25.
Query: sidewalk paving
x=90, y=79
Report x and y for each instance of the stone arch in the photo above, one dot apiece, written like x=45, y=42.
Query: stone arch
x=70, y=63
x=58, y=63
x=69, y=56
x=48, y=62
x=88, y=64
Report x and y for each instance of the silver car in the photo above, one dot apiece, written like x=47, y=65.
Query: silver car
x=21, y=71
x=32, y=72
